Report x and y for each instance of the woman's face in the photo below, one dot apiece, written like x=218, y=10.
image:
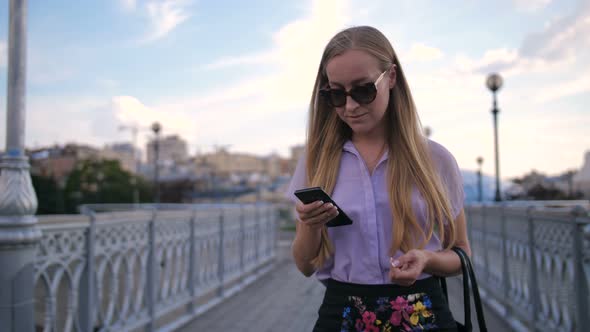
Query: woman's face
x=355, y=68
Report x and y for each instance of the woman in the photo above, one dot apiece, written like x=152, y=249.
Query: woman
x=366, y=149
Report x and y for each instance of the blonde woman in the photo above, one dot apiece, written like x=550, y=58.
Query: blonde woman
x=366, y=149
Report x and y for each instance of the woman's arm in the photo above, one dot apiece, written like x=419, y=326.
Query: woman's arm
x=446, y=263
x=306, y=244
x=407, y=268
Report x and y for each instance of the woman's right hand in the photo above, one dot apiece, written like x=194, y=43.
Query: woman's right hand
x=316, y=214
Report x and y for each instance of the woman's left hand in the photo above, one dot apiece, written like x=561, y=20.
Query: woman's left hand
x=406, y=269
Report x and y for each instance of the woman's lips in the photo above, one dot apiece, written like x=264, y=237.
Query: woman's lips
x=354, y=117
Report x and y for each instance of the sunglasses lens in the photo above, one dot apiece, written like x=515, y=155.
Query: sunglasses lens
x=337, y=97
x=361, y=94
x=364, y=94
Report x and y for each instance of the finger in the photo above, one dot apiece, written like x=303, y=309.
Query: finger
x=402, y=278
x=322, y=218
x=410, y=274
x=403, y=260
x=327, y=207
x=305, y=208
x=316, y=212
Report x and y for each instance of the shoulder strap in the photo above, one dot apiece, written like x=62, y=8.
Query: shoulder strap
x=466, y=262
x=466, y=297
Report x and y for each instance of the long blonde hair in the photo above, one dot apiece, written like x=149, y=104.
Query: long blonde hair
x=411, y=167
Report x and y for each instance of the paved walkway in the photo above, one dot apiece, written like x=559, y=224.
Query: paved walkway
x=284, y=300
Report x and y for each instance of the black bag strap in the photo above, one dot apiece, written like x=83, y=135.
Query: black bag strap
x=465, y=261
x=467, y=326
x=466, y=295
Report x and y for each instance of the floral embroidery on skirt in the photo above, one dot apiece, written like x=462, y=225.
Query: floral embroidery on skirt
x=407, y=313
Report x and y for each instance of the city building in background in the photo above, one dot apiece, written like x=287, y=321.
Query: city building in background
x=125, y=153
x=581, y=180
x=172, y=149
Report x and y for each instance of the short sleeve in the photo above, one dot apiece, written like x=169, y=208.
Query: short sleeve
x=298, y=180
x=450, y=176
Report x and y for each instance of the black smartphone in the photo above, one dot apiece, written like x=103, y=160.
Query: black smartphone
x=309, y=195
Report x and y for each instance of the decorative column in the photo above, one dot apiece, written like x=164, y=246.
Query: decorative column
x=18, y=203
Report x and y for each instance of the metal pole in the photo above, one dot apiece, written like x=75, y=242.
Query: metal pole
x=242, y=238
x=479, y=186
x=505, y=269
x=136, y=159
x=220, y=261
x=533, y=276
x=157, y=170
x=495, y=111
x=18, y=202
x=191, y=262
x=151, y=273
x=580, y=281
x=88, y=292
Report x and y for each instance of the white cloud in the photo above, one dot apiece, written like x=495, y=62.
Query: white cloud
x=248, y=59
x=422, y=52
x=165, y=16
x=564, y=88
x=565, y=37
x=3, y=54
x=492, y=60
x=530, y=5
x=295, y=55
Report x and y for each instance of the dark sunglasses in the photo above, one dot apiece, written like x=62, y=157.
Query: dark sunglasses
x=362, y=94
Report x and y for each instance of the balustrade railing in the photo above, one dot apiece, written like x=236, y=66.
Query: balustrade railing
x=148, y=267
x=533, y=263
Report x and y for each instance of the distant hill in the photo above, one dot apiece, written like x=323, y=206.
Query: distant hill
x=488, y=185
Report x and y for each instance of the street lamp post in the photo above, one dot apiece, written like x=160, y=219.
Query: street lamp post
x=156, y=128
x=18, y=202
x=479, y=180
x=494, y=83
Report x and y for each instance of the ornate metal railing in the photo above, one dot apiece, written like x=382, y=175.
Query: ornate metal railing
x=533, y=264
x=146, y=267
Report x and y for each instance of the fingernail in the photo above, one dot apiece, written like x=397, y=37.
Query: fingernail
x=395, y=263
x=329, y=205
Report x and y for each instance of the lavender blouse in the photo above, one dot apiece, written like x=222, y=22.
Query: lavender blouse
x=361, y=249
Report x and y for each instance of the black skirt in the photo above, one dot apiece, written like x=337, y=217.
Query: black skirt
x=389, y=308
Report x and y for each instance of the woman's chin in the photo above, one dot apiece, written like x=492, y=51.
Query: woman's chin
x=360, y=128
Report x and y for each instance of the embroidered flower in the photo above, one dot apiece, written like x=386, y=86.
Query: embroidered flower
x=415, y=318
x=396, y=318
x=418, y=306
x=372, y=328
x=406, y=327
x=369, y=317
x=346, y=312
x=359, y=325
x=427, y=302
x=399, y=304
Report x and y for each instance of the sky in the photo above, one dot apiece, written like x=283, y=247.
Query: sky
x=240, y=73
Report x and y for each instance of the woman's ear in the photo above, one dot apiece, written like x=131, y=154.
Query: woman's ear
x=392, y=76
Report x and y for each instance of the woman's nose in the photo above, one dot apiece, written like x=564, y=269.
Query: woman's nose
x=351, y=104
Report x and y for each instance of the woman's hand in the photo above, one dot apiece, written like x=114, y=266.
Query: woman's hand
x=406, y=269
x=316, y=214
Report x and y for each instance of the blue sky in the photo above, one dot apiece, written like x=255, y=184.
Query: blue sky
x=241, y=73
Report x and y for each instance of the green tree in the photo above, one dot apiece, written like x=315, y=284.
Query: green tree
x=100, y=182
x=48, y=193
